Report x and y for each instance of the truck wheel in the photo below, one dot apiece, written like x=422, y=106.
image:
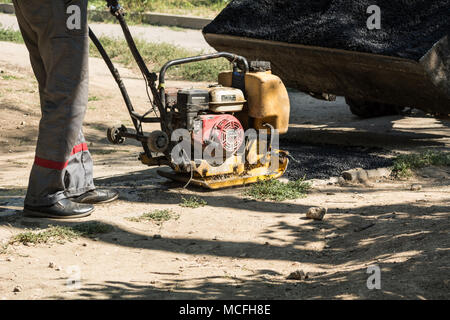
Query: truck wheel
x=369, y=109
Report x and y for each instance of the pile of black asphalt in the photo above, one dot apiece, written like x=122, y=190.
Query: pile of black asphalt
x=327, y=161
x=409, y=28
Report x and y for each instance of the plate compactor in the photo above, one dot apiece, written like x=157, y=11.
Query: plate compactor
x=217, y=136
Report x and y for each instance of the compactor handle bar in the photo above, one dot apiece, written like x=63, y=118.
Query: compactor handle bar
x=233, y=58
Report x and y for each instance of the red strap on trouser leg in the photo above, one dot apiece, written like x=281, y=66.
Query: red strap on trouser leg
x=49, y=164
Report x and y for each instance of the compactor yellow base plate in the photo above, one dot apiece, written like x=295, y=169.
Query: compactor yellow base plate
x=255, y=173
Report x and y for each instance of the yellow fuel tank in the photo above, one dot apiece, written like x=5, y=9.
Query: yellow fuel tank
x=267, y=100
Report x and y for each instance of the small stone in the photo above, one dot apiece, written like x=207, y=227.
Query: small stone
x=58, y=268
x=317, y=213
x=355, y=175
x=298, y=275
x=51, y=265
x=10, y=259
x=84, y=244
x=416, y=187
x=17, y=289
x=342, y=182
x=23, y=123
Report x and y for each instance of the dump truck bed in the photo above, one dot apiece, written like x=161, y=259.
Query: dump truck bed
x=423, y=84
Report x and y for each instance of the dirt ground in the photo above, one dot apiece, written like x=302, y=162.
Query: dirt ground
x=233, y=248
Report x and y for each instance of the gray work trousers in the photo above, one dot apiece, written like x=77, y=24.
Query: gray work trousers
x=56, y=35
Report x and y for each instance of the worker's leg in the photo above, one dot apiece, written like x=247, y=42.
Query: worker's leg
x=31, y=41
x=78, y=177
x=63, y=166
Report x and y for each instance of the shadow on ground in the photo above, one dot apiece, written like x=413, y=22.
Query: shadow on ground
x=351, y=239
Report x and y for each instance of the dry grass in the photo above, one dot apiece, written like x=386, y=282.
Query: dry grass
x=405, y=164
x=156, y=216
x=60, y=234
x=278, y=191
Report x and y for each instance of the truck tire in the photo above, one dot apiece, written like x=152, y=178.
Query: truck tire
x=370, y=109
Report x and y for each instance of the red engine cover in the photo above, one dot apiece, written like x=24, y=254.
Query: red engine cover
x=221, y=128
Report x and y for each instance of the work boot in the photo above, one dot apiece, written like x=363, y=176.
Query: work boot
x=63, y=209
x=97, y=196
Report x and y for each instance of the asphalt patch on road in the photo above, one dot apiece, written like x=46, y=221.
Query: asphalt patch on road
x=326, y=161
x=409, y=29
